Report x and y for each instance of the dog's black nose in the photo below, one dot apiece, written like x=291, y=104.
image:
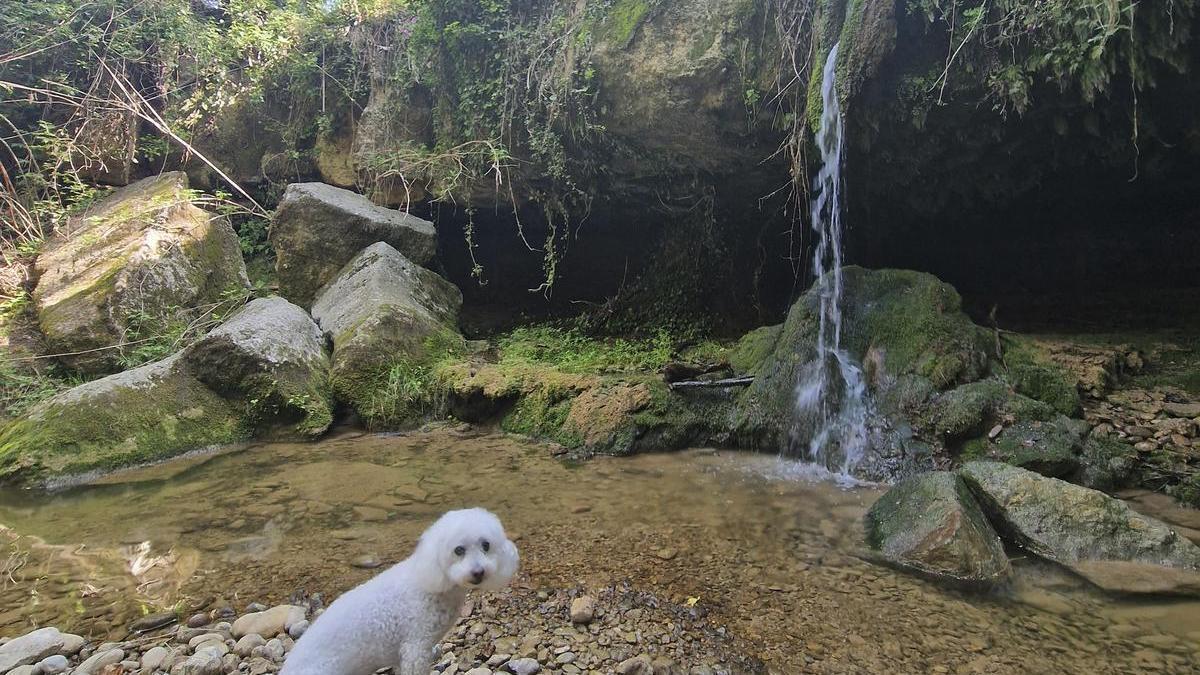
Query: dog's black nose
x=477, y=576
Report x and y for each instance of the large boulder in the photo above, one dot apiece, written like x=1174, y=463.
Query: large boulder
x=390, y=321
x=1094, y=535
x=318, y=228
x=912, y=339
x=271, y=355
x=140, y=260
x=152, y=412
x=264, y=372
x=930, y=524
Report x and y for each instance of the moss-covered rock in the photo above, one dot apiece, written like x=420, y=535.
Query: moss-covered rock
x=906, y=328
x=1098, y=537
x=319, y=228
x=153, y=412
x=930, y=524
x=263, y=373
x=1051, y=448
x=391, y=322
x=752, y=350
x=1035, y=375
x=143, y=256
x=270, y=356
x=1107, y=464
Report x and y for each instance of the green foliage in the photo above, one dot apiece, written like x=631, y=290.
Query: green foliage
x=1012, y=45
x=511, y=85
x=543, y=414
x=401, y=390
x=154, y=336
x=571, y=351
x=22, y=388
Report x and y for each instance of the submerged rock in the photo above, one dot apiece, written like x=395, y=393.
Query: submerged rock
x=930, y=524
x=318, y=228
x=1094, y=535
x=138, y=260
x=272, y=354
x=390, y=321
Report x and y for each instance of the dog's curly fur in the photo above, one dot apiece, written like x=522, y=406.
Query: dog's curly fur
x=397, y=619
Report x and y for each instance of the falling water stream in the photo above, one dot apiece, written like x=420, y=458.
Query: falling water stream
x=831, y=398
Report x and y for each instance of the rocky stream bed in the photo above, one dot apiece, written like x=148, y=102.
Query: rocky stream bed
x=729, y=562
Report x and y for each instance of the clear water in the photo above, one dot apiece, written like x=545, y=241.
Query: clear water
x=770, y=550
x=831, y=396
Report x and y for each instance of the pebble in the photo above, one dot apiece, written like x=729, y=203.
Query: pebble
x=297, y=629
x=367, y=562
x=97, y=662
x=270, y=622
x=197, y=620
x=246, y=644
x=52, y=665
x=524, y=666
x=30, y=648
x=155, y=658
x=583, y=609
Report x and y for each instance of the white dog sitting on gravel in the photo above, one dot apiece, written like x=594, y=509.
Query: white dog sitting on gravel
x=397, y=619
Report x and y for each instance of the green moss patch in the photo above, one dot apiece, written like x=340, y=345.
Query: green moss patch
x=138, y=416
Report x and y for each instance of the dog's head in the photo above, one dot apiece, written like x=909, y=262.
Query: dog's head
x=468, y=548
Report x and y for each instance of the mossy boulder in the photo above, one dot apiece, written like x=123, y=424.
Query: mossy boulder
x=153, y=412
x=319, y=228
x=752, y=350
x=972, y=409
x=1096, y=536
x=262, y=373
x=1035, y=375
x=270, y=355
x=143, y=256
x=908, y=331
x=930, y=524
x=391, y=322
x=1051, y=448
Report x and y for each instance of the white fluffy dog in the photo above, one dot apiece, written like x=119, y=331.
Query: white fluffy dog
x=397, y=619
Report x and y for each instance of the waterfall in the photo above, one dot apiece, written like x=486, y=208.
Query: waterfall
x=831, y=398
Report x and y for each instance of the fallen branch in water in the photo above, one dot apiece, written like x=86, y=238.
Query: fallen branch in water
x=710, y=384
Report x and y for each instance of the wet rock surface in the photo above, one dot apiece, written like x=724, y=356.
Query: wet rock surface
x=1095, y=535
x=931, y=524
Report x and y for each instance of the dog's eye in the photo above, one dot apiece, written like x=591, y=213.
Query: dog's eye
x=459, y=551
x=486, y=545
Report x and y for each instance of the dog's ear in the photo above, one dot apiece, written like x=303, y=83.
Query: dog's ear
x=429, y=562
x=508, y=561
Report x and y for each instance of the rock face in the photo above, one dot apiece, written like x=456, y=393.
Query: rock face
x=389, y=321
x=271, y=352
x=932, y=525
x=1096, y=536
x=319, y=228
x=263, y=372
x=138, y=260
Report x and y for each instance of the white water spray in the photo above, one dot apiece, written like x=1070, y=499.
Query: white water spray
x=830, y=392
